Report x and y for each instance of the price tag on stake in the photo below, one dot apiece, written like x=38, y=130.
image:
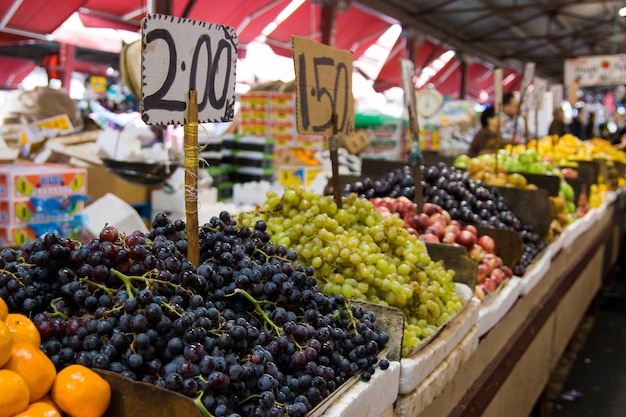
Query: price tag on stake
x=179, y=55
x=323, y=88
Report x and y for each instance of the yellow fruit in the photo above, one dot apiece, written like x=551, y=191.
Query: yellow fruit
x=39, y=409
x=34, y=366
x=14, y=397
x=23, y=329
x=80, y=392
x=4, y=310
x=6, y=341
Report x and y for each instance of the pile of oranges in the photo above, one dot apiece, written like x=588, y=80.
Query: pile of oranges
x=29, y=383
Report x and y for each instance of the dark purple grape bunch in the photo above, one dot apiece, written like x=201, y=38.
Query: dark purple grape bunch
x=246, y=332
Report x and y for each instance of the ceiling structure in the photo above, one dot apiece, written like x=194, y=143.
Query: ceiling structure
x=509, y=33
x=485, y=34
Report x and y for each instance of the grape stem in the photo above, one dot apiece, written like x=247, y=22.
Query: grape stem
x=172, y=309
x=259, y=310
x=198, y=402
x=146, y=279
x=104, y=288
x=56, y=312
x=126, y=280
x=348, y=310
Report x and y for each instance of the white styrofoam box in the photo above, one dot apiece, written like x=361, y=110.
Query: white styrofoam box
x=610, y=198
x=254, y=192
x=573, y=231
x=368, y=399
x=205, y=212
x=113, y=211
x=416, y=368
x=535, y=272
x=170, y=201
x=415, y=402
x=495, y=306
x=554, y=247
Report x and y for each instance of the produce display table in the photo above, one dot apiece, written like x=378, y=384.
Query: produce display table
x=513, y=361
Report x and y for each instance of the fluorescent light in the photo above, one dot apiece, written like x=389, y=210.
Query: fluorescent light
x=622, y=12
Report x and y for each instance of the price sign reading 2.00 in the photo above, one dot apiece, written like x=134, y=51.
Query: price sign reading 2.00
x=323, y=88
x=179, y=55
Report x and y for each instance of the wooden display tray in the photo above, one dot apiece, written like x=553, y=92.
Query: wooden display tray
x=510, y=245
x=457, y=258
x=550, y=183
x=532, y=207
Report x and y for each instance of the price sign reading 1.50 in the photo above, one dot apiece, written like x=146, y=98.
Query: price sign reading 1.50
x=179, y=55
x=323, y=88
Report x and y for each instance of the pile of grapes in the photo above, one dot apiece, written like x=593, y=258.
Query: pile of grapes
x=359, y=253
x=245, y=333
x=468, y=201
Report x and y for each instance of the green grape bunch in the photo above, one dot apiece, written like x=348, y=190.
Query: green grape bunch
x=362, y=254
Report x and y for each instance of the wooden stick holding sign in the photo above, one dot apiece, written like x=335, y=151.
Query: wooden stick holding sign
x=407, y=72
x=324, y=103
x=183, y=60
x=191, y=179
x=497, y=103
x=541, y=87
x=527, y=77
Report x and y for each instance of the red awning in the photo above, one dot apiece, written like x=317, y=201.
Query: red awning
x=14, y=70
x=448, y=79
x=355, y=30
x=34, y=18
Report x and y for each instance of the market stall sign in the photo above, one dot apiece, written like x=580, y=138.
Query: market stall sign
x=179, y=55
x=596, y=70
x=324, y=100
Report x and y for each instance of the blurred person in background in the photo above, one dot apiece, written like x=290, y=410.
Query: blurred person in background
x=578, y=127
x=558, y=126
x=486, y=139
x=510, y=110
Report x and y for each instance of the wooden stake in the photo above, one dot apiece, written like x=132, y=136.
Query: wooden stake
x=191, y=179
x=333, y=148
x=416, y=161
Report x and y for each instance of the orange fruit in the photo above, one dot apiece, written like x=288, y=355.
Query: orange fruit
x=34, y=366
x=23, y=329
x=4, y=309
x=80, y=392
x=6, y=341
x=14, y=398
x=39, y=409
x=48, y=400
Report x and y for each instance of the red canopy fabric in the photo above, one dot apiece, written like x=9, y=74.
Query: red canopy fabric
x=448, y=79
x=38, y=17
x=14, y=70
x=355, y=29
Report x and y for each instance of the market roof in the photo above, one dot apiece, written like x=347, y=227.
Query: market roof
x=486, y=33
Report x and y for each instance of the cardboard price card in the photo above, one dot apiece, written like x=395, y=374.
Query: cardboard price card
x=324, y=100
x=179, y=55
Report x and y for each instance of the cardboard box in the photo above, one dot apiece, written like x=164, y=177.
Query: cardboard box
x=40, y=209
x=40, y=180
x=100, y=182
x=18, y=234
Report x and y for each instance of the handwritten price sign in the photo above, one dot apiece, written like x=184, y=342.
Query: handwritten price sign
x=179, y=55
x=323, y=88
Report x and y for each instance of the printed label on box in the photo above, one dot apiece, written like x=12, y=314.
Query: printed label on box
x=298, y=175
x=30, y=180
